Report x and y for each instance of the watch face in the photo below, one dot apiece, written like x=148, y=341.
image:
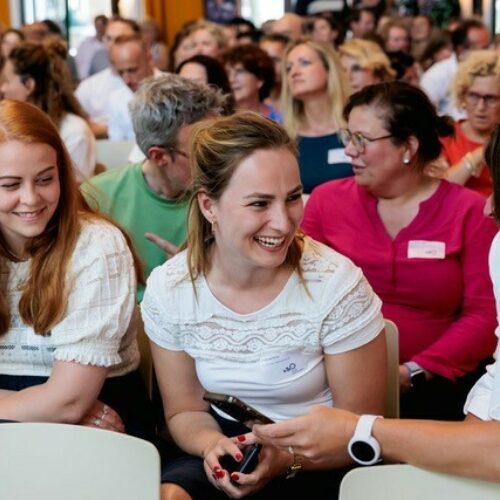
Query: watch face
x=363, y=451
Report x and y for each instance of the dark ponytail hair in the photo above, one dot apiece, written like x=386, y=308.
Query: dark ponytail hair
x=406, y=111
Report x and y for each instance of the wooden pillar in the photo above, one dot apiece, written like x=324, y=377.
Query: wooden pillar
x=172, y=14
x=5, y=14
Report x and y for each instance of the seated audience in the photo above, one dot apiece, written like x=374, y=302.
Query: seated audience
x=326, y=29
x=11, y=38
x=251, y=75
x=37, y=73
x=209, y=71
x=314, y=94
x=438, y=48
x=469, y=448
x=182, y=48
x=132, y=61
x=67, y=291
x=289, y=25
x=421, y=32
x=470, y=34
x=405, y=66
x=422, y=243
x=248, y=298
x=89, y=46
x=364, y=63
x=152, y=35
x=274, y=45
x=396, y=36
x=476, y=90
x=362, y=23
x=208, y=39
x=149, y=199
x=96, y=103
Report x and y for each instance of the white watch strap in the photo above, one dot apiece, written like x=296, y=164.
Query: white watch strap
x=364, y=426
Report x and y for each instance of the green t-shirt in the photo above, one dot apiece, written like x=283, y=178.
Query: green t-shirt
x=124, y=195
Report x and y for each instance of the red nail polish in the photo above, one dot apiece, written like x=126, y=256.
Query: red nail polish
x=238, y=456
x=220, y=474
x=235, y=476
x=241, y=438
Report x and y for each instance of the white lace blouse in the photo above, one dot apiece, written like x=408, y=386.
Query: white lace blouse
x=271, y=358
x=99, y=325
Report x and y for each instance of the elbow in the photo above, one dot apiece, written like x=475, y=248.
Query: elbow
x=73, y=412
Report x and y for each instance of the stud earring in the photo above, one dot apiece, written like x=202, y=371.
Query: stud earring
x=406, y=160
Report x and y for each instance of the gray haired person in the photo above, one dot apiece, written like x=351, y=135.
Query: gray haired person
x=149, y=199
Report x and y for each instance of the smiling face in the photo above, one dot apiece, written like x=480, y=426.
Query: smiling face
x=29, y=191
x=259, y=212
x=205, y=43
x=381, y=163
x=306, y=73
x=483, y=117
x=358, y=77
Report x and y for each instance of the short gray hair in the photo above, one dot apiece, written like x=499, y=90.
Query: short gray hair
x=163, y=104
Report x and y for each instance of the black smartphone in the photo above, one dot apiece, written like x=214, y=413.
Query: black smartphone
x=238, y=409
x=247, y=463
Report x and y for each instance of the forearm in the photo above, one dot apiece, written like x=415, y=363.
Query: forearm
x=469, y=166
x=470, y=448
x=194, y=431
x=41, y=404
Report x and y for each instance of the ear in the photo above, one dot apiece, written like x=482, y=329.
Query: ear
x=207, y=206
x=412, y=145
x=30, y=85
x=159, y=155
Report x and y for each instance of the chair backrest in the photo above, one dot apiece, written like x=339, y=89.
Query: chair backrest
x=60, y=461
x=405, y=482
x=392, y=396
x=113, y=154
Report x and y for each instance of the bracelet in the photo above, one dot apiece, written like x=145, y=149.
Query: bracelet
x=469, y=166
x=295, y=467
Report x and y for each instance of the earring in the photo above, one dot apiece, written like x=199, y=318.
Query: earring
x=212, y=225
x=406, y=160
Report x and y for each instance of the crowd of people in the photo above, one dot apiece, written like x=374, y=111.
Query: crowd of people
x=291, y=188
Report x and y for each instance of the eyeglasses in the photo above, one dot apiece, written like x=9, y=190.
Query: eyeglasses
x=358, y=139
x=473, y=98
x=179, y=152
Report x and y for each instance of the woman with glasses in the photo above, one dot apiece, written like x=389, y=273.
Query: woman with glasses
x=422, y=243
x=314, y=93
x=477, y=91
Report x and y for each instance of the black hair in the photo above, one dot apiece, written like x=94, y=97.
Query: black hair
x=492, y=158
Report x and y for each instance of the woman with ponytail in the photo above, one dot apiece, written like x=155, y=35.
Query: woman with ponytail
x=38, y=73
x=68, y=351
x=421, y=242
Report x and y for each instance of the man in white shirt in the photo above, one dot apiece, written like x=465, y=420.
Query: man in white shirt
x=94, y=92
x=133, y=62
x=90, y=46
x=436, y=81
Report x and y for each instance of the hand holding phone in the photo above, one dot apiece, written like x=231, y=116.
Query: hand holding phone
x=246, y=465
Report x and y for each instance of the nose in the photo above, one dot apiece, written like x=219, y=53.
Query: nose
x=29, y=195
x=281, y=220
x=350, y=150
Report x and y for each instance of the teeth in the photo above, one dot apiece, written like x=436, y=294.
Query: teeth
x=28, y=214
x=270, y=242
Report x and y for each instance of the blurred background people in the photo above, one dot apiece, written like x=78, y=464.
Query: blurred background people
x=153, y=38
x=89, y=46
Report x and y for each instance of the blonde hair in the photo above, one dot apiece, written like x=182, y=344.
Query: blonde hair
x=337, y=88
x=214, y=29
x=43, y=294
x=369, y=56
x=477, y=63
x=218, y=146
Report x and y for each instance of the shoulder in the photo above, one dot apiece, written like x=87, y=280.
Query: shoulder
x=332, y=192
x=113, y=178
x=74, y=123
x=99, y=237
x=90, y=82
x=462, y=197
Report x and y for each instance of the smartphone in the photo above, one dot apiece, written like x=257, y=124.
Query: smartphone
x=247, y=463
x=238, y=409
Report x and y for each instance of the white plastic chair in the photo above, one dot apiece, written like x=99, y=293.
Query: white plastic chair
x=69, y=462
x=113, y=154
x=405, y=482
x=392, y=395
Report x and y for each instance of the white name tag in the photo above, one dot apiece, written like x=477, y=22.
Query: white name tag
x=426, y=249
x=337, y=156
x=282, y=366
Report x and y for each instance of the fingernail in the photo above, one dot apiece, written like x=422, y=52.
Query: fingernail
x=235, y=476
x=241, y=438
x=216, y=468
x=220, y=474
x=238, y=456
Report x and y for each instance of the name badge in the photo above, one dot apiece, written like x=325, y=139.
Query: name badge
x=418, y=249
x=282, y=366
x=337, y=156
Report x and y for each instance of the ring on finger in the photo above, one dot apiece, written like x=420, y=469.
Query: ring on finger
x=290, y=450
x=97, y=422
x=105, y=409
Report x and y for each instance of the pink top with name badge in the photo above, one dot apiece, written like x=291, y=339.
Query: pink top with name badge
x=432, y=277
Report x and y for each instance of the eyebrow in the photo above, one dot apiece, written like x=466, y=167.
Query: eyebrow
x=17, y=177
x=265, y=196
